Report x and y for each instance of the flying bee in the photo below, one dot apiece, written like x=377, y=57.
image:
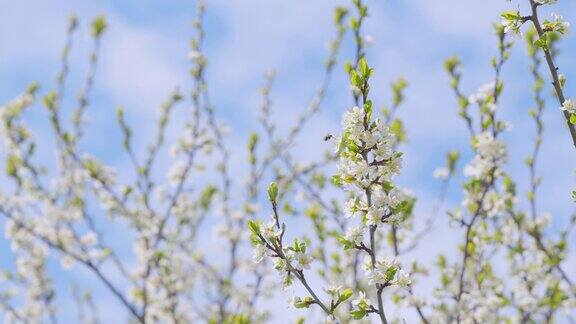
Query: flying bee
x=328, y=137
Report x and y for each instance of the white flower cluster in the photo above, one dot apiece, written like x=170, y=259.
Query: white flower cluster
x=31, y=262
x=53, y=214
x=271, y=234
x=267, y=242
x=368, y=162
x=483, y=95
x=300, y=260
x=174, y=275
x=478, y=303
x=557, y=24
x=259, y=252
x=482, y=305
x=530, y=270
x=490, y=152
x=355, y=234
x=361, y=300
x=370, y=158
x=511, y=21
x=386, y=272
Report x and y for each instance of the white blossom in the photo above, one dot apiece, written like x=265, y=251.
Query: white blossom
x=355, y=234
x=300, y=260
x=402, y=278
x=259, y=253
x=361, y=299
x=568, y=106
x=89, y=239
x=560, y=25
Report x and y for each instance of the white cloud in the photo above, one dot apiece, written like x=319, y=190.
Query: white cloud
x=460, y=18
x=139, y=67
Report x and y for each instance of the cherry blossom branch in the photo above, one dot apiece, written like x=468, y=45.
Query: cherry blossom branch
x=487, y=181
x=86, y=262
x=553, y=68
x=272, y=240
x=98, y=27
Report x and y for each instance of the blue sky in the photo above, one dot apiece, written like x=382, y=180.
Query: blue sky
x=144, y=56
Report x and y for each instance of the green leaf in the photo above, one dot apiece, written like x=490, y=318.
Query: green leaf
x=357, y=314
x=390, y=273
x=345, y=243
x=510, y=15
x=452, y=158
x=363, y=68
x=304, y=302
x=451, y=64
x=253, y=141
x=463, y=102
x=345, y=295
x=573, y=119
x=254, y=227
x=441, y=261
x=98, y=26
x=397, y=128
x=348, y=67
x=337, y=181
x=355, y=79
x=542, y=43
x=32, y=88
x=273, y=192
x=12, y=164
x=368, y=109
x=354, y=23
x=207, y=195
x=50, y=100
x=339, y=14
